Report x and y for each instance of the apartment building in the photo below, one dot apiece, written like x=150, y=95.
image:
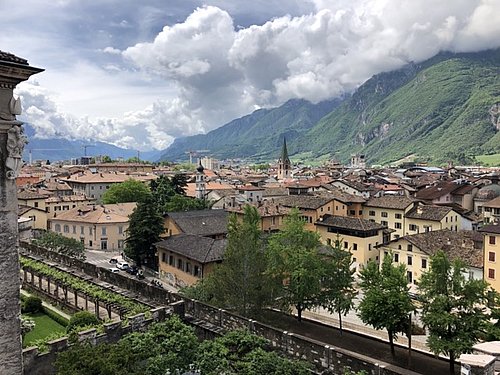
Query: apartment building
x=491, y=250
x=414, y=251
x=98, y=227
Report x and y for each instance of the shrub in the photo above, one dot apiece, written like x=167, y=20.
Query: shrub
x=82, y=319
x=32, y=305
x=56, y=317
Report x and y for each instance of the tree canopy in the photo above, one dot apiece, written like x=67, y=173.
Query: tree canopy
x=61, y=244
x=145, y=227
x=171, y=346
x=386, y=302
x=294, y=262
x=453, y=307
x=128, y=191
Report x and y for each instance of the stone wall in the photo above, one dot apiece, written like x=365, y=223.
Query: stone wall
x=36, y=363
x=209, y=322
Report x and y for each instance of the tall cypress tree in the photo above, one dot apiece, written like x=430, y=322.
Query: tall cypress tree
x=145, y=227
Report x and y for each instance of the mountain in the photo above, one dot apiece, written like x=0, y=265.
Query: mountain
x=445, y=108
x=55, y=149
x=258, y=135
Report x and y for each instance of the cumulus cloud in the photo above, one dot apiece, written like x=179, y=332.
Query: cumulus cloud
x=317, y=56
x=219, y=70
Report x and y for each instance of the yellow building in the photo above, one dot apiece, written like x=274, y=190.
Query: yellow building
x=186, y=258
x=361, y=237
x=98, y=227
x=492, y=255
x=389, y=211
x=56, y=204
x=271, y=215
x=37, y=216
x=414, y=251
x=33, y=198
x=311, y=207
x=426, y=218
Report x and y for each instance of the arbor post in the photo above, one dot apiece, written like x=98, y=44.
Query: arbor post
x=13, y=70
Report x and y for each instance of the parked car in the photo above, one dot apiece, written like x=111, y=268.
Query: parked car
x=122, y=266
x=132, y=270
x=114, y=270
x=113, y=261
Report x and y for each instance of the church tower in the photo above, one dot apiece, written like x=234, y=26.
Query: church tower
x=200, y=182
x=284, y=164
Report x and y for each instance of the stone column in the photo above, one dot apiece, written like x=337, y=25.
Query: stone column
x=13, y=70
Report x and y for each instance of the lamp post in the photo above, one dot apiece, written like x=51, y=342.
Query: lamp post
x=13, y=70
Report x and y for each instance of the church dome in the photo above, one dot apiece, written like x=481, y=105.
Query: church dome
x=488, y=192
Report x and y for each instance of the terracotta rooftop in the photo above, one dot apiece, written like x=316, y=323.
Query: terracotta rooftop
x=98, y=214
x=32, y=194
x=201, y=249
x=443, y=188
x=390, y=202
x=69, y=198
x=466, y=245
x=492, y=228
x=340, y=195
x=494, y=203
x=353, y=223
x=106, y=177
x=267, y=209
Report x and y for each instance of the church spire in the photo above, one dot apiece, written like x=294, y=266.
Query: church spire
x=284, y=163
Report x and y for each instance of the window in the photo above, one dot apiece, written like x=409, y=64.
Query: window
x=397, y=225
x=491, y=273
x=410, y=260
x=398, y=216
x=369, y=246
x=492, y=240
x=103, y=231
x=321, y=209
x=90, y=243
x=82, y=240
x=409, y=247
x=383, y=222
x=427, y=228
x=424, y=263
x=399, y=247
x=396, y=257
x=163, y=256
x=360, y=212
x=409, y=276
x=66, y=229
x=188, y=267
x=120, y=244
x=491, y=256
x=36, y=204
x=90, y=231
x=346, y=245
x=120, y=230
x=273, y=220
x=171, y=260
x=384, y=214
x=57, y=227
x=196, y=271
x=355, y=246
x=82, y=230
x=74, y=229
x=413, y=227
x=352, y=212
x=104, y=244
x=328, y=241
x=179, y=264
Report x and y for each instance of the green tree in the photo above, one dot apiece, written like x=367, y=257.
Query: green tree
x=453, y=307
x=128, y=191
x=244, y=265
x=145, y=227
x=169, y=195
x=61, y=244
x=338, y=292
x=179, y=183
x=294, y=261
x=106, y=159
x=386, y=302
x=81, y=319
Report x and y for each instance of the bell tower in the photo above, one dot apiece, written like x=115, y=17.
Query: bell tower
x=284, y=164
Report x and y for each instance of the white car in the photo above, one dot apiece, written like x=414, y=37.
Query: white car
x=114, y=270
x=122, y=265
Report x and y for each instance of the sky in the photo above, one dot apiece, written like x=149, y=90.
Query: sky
x=138, y=74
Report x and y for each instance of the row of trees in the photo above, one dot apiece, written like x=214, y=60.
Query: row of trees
x=292, y=268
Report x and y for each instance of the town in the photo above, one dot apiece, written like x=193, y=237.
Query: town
x=257, y=188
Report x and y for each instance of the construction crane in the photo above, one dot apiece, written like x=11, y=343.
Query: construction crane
x=192, y=153
x=85, y=149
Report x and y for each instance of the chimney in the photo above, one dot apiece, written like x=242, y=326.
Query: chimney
x=420, y=210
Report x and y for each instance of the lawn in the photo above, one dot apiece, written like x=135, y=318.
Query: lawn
x=44, y=326
x=489, y=160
